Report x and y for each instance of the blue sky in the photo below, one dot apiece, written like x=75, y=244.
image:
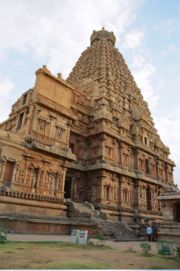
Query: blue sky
x=55, y=32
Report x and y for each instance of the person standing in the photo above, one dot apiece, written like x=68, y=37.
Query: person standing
x=149, y=233
x=154, y=231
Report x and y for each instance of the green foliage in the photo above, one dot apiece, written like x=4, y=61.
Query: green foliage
x=146, y=247
x=165, y=248
x=3, y=237
x=177, y=250
x=90, y=242
x=101, y=239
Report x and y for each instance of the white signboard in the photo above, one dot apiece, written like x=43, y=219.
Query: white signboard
x=75, y=236
x=83, y=237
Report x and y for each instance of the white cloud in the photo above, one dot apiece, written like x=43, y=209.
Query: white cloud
x=55, y=32
x=143, y=71
x=58, y=30
x=151, y=84
x=6, y=88
x=133, y=39
x=169, y=129
x=168, y=27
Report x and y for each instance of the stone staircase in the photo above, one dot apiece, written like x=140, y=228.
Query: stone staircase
x=114, y=230
x=118, y=231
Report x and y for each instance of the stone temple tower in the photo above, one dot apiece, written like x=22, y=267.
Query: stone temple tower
x=90, y=138
x=123, y=162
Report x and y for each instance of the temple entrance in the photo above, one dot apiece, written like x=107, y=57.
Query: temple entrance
x=68, y=188
x=8, y=173
x=177, y=212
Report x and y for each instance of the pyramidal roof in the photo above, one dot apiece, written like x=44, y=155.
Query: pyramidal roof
x=103, y=64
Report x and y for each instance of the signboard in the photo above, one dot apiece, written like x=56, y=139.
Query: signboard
x=83, y=237
x=79, y=237
x=74, y=236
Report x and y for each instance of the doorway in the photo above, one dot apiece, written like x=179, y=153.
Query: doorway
x=148, y=198
x=177, y=212
x=8, y=173
x=68, y=188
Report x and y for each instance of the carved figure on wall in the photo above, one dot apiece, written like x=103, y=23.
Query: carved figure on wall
x=52, y=184
x=41, y=178
x=46, y=180
x=125, y=196
x=154, y=199
x=1, y=167
x=95, y=192
x=35, y=180
x=58, y=182
x=142, y=197
x=28, y=176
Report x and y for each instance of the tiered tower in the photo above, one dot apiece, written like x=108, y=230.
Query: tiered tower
x=122, y=163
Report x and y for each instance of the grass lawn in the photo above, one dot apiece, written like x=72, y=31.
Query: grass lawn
x=64, y=255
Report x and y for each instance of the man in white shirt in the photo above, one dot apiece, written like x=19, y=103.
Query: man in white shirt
x=149, y=233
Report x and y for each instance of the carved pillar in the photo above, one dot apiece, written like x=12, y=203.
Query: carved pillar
x=35, y=181
x=14, y=175
x=166, y=172
x=69, y=125
x=41, y=178
x=103, y=147
x=38, y=176
x=135, y=154
x=59, y=184
x=25, y=171
x=34, y=119
x=2, y=169
x=120, y=153
x=64, y=170
x=30, y=176
x=157, y=167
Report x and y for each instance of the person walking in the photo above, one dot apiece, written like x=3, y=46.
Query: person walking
x=149, y=233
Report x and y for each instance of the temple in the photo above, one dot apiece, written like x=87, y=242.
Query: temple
x=88, y=139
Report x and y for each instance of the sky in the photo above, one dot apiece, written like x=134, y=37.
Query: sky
x=55, y=33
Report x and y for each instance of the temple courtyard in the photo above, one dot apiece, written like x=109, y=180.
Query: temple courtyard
x=27, y=251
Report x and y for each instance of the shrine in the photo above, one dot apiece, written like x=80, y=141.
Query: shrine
x=90, y=138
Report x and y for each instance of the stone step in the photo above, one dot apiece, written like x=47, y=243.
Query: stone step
x=114, y=230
